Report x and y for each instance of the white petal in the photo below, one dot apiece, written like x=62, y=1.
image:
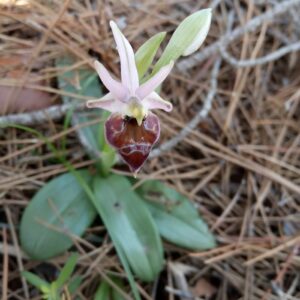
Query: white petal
x=200, y=37
x=129, y=72
x=154, y=101
x=116, y=88
x=149, y=86
x=107, y=102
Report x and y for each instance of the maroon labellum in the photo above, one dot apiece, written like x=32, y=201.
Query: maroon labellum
x=133, y=142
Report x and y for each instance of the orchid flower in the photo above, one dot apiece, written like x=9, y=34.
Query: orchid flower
x=132, y=128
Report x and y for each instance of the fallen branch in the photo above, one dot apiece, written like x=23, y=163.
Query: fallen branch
x=261, y=60
x=40, y=116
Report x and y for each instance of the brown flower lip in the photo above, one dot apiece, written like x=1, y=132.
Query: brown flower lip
x=133, y=142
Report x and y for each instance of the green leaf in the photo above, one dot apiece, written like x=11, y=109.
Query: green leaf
x=130, y=225
x=36, y=281
x=74, y=284
x=107, y=292
x=59, y=208
x=103, y=291
x=145, y=54
x=177, y=219
x=186, y=39
x=83, y=81
x=67, y=270
x=116, y=295
x=128, y=271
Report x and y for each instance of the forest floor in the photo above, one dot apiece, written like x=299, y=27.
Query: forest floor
x=239, y=162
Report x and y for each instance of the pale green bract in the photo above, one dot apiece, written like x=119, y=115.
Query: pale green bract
x=203, y=18
x=145, y=54
x=187, y=38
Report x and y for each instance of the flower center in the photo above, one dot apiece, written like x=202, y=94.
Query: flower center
x=136, y=110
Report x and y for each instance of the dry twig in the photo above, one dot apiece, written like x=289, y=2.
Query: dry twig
x=54, y=112
x=261, y=60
